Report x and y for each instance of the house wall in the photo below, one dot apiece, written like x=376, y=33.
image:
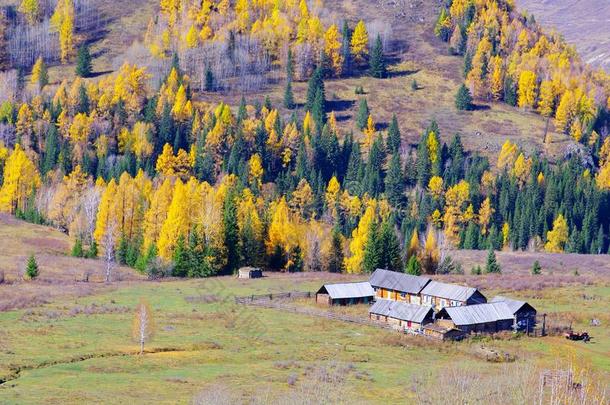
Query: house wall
x=323, y=299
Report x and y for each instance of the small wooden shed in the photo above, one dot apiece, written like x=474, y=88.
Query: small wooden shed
x=345, y=293
x=437, y=331
x=249, y=272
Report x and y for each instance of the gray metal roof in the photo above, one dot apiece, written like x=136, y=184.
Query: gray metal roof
x=400, y=310
x=392, y=280
x=449, y=291
x=349, y=290
x=514, y=305
x=479, y=313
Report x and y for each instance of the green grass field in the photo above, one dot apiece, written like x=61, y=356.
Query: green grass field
x=57, y=354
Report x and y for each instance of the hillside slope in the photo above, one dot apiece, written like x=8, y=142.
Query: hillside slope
x=584, y=23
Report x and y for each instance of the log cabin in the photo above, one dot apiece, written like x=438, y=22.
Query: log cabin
x=440, y=295
x=479, y=318
x=396, y=286
x=401, y=315
x=345, y=293
x=523, y=313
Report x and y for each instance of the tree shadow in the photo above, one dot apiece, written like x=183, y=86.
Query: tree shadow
x=342, y=117
x=100, y=73
x=339, y=105
x=479, y=107
x=402, y=73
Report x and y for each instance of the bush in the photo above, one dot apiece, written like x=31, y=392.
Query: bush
x=536, y=269
x=359, y=90
x=476, y=270
x=77, y=249
x=413, y=266
x=414, y=85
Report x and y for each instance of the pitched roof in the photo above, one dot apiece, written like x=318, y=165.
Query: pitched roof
x=392, y=280
x=479, y=313
x=449, y=291
x=348, y=290
x=400, y=310
x=514, y=305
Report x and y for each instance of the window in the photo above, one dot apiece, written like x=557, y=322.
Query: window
x=403, y=295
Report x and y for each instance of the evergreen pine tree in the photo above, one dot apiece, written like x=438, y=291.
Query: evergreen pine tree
x=471, y=237
x=393, y=140
x=180, y=259
x=209, y=79
x=389, y=248
x=413, y=266
x=31, y=270
x=510, y=92
x=93, y=250
x=288, y=96
x=121, y=253
x=394, y=182
x=83, y=100
x=77, y=249
x=345, y=49
x=363, y=113
x=463, y=99
x=51, y=150
x=377, y=66
x=315, y=85
x=83, y=61
x=335, y=260
x=372, y=250
x=492, y=265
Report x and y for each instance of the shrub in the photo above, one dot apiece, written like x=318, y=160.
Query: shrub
x=536, y=269
x=77, y=249
x=414, y=85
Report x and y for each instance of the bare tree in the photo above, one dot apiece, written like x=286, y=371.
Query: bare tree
x=90, y=202
x=143, y=324
x=108, y=244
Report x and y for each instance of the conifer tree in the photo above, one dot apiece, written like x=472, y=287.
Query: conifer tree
x=377, y=65
x=335, y=260
x=345, y=49
x=77, y=249
x=93, y=250
x=289, y=96
x=394, y=138
x=209, y=80
x=31, y=270
x=389, y=248
x=463, y=99
x=413, y=266
x=363, y=114
x=40, y=74
x=394, y=181
x=492, y=265
x=83, y=61
x=372, y=251
x=180, y=258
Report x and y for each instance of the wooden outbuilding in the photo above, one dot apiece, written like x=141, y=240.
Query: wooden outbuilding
x=401, y=315
x=345, y=293
x=438, y=331
x=440, y=295
x=483, y=318
x=524, y=315
x=396, y=286
x=249, y=272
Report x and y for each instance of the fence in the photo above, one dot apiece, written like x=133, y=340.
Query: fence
x=251, y=299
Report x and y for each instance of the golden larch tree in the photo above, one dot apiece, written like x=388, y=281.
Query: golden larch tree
x=21, y=179
x=558, y=236
x=359, y=45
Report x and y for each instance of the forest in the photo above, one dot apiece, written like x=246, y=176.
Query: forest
x=140, y=171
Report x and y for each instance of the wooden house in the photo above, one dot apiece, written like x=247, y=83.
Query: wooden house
x=249, y=272
x=396, y=286
x=401, y=315
x=440, y=295
x=437, y=331
x=524, y=314
x=484, y=318
x=345, y=293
